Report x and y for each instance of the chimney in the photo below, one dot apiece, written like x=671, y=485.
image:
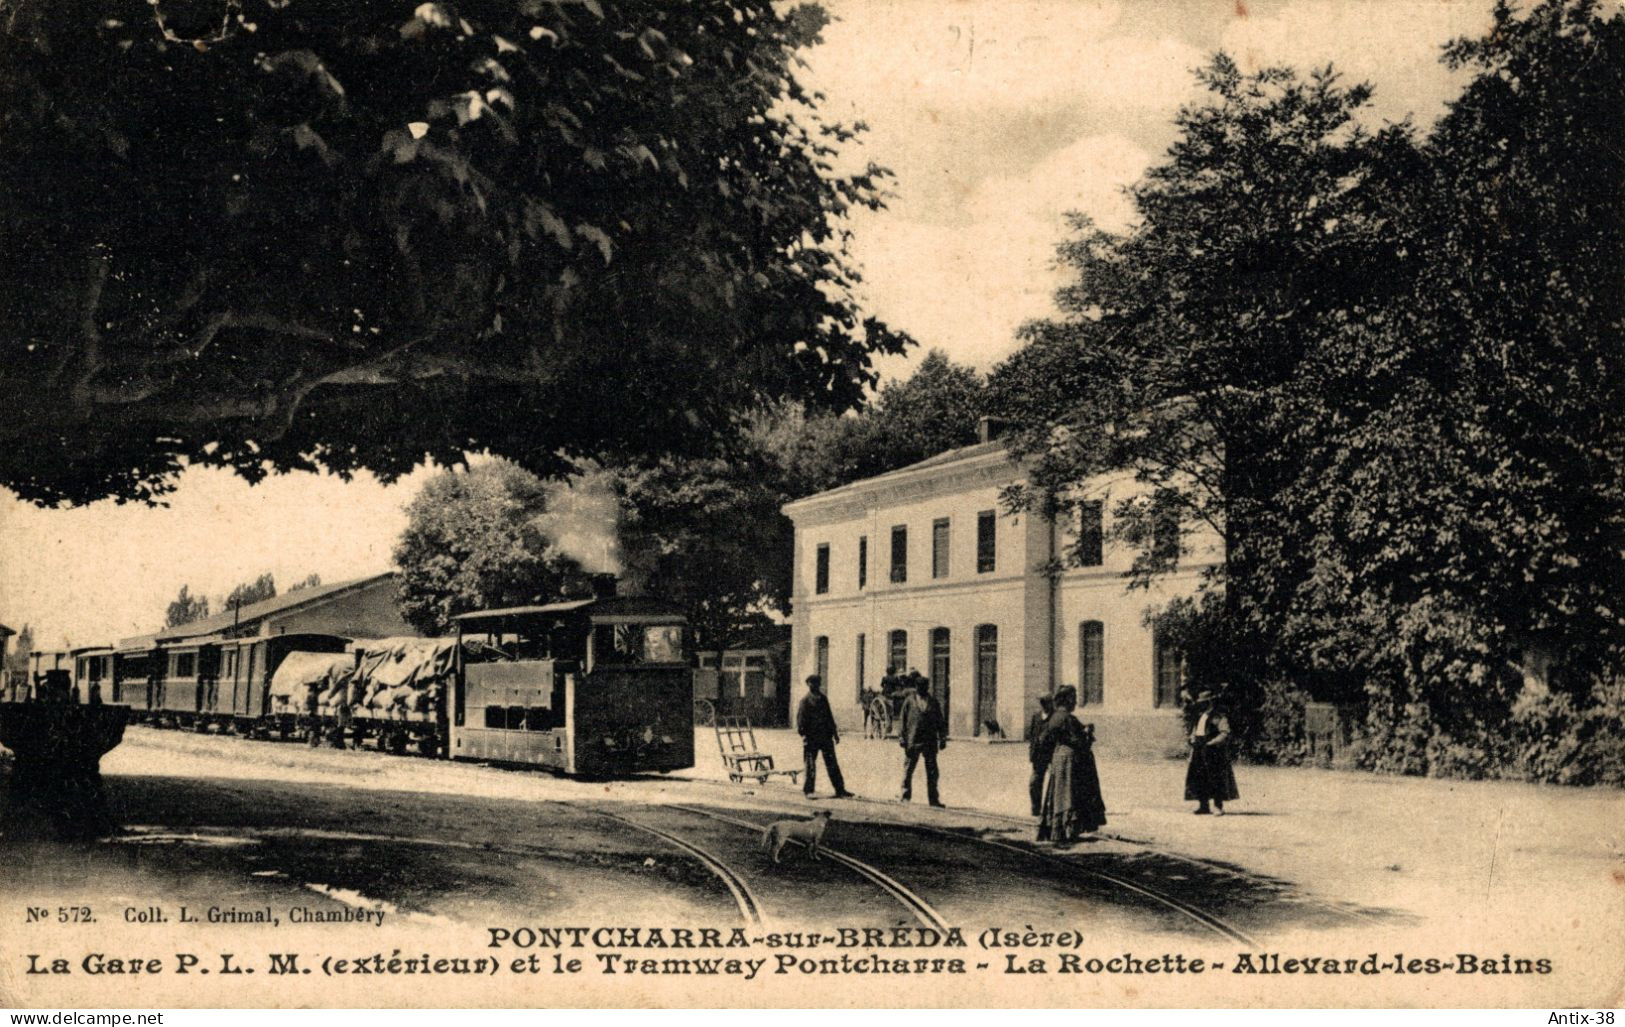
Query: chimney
x=990, y=428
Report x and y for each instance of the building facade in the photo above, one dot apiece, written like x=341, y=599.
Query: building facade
x=922, y=569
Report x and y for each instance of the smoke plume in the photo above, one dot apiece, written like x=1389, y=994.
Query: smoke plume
x=582, y=521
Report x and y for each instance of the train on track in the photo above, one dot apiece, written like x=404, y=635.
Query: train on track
x=599, y=686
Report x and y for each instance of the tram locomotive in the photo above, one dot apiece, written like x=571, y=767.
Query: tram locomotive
x=595, y=686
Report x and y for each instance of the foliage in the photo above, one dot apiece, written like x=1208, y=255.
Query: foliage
x=474, y=541
x=309, y=581
x=250, y=592
x=21, y=649
x=936, y=408
x=331, y=233
x=185, y=609
x=1182, y=351
x=1388, y=374
x=707, y=534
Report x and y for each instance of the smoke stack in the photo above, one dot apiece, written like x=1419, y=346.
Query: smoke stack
x=989, y=428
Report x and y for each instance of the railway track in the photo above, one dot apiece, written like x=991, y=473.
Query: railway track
x=1208, y=921
x=749, y=907
x=918, y=907
x=1026, y=824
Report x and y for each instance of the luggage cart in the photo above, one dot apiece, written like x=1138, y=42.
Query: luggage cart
x=736, y=741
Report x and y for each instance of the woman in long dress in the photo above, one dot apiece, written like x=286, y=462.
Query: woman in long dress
x=1072, y=802
x=1209, y=777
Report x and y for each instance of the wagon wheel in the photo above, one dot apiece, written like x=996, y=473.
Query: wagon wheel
x=880, y=717
x=705, y=713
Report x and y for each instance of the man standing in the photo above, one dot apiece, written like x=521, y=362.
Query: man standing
x=816, y=724
x=922, y=733
x=1035, y=731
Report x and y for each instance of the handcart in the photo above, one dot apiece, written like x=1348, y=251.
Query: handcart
x=736, y=740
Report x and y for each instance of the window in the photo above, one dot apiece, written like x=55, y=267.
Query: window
x=1092, y=662
x=539, y=718
x=940, y=684
x=1170, y=672
x=1164, y=527
x=863, y=643
x=863, y=560
x=496, y=717
x=899, y=553
x=756, y=679
x=184, y=666
x=1091, y=536
x=822, y=581
x=939, y=548
x=897, y=651
x=821, y=659
x=637, y=643
x=986, y=542
x=987, y=677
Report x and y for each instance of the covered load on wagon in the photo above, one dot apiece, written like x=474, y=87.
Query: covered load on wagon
x=299, y=671
x=400, y=677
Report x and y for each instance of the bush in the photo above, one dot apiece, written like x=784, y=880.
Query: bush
x=1279, y=735
x=1562, y=742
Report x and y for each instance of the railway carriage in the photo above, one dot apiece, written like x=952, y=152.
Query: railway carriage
x=93, y=673
x=248, y=667
x=137, y=673
x=595, y=687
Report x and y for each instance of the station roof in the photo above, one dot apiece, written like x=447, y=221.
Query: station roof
x=228, y=619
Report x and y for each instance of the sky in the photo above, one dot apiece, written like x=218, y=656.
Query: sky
x=996, y=116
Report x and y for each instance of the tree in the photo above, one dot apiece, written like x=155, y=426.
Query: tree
x=309, y=581
x=316, y=233
x=936, y=408
x=708, y=535
x=1467, y=482
x=1186, y=342
x=1390, y=376
x=185, y=609
x=258, y=590
x=21, y=650
x=475, y=540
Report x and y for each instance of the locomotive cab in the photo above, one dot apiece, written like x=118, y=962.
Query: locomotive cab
x=590, y=686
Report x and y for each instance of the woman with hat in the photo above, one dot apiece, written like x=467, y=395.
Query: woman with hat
x=1072, y=803
x=1209, y=777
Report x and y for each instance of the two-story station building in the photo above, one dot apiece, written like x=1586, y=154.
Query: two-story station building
x=921, y=568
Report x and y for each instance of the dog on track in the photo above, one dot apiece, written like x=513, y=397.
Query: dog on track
x=808, y=832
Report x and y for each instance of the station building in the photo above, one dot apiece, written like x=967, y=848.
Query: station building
x=921, y=568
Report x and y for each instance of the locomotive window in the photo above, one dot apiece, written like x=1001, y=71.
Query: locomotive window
x=495, y=716
x=540, y=718
x=663, y=643
x=516, y=718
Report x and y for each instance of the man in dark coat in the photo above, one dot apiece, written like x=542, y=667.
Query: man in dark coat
x=1209, y=778
x=816, y=724
x=922, y=732
x=1035, y=731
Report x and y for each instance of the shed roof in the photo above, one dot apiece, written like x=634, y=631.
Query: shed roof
x=288, y=601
